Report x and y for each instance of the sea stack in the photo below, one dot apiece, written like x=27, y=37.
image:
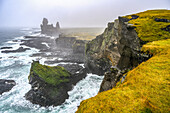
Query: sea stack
x=49, y=29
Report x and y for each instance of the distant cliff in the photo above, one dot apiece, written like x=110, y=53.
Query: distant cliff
x=133, y=85
x=48, y=29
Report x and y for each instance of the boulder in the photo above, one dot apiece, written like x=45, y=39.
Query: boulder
x=6, y=85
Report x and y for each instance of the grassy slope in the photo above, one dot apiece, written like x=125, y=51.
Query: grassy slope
x=147, y=87
x=148, y=29
x=52, y=75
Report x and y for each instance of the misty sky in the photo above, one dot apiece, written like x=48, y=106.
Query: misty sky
x=71, y=13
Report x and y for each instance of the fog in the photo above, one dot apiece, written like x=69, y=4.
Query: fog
x=71, y=13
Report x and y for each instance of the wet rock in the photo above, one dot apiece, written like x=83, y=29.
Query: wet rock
x=20, y=49
x=36, y=36
x=110, y=79
x=6, y=48
x=6, y=85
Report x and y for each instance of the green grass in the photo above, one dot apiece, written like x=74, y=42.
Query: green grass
x=146, y=88
x=51, y=75
x=147, y=28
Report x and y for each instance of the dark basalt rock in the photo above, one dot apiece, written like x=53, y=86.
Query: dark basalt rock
x=6, y=85
x=45, y=92
x=161, y=20
x=109, y=80
x=36, y=36
x=134, y=17
x=167, y=28
x=6, y=48
x=20, y=49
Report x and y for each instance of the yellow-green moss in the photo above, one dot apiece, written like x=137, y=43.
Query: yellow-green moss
x=51, y=75
x=147, y=28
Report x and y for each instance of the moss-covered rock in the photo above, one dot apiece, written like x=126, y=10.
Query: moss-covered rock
x=51, y=75
x=49, y=85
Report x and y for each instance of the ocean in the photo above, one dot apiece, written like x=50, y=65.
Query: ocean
x=16, y=66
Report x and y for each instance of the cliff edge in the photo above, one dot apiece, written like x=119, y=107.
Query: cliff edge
x=143, y=88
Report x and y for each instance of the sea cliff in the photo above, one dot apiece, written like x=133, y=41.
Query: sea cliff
x=138, y=82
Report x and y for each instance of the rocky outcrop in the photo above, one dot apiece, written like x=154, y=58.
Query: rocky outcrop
x=49, y=85
x=102, y=53
x=118, y=46
x=6, y=85
x=48, y=29
x=128, y=44
x=110, y=79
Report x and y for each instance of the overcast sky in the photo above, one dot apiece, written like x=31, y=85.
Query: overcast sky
x=71, y=13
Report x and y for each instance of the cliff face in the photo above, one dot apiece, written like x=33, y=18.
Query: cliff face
x=119, y=46
x=128, y=44
x=144, y=88
x=102, y=53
